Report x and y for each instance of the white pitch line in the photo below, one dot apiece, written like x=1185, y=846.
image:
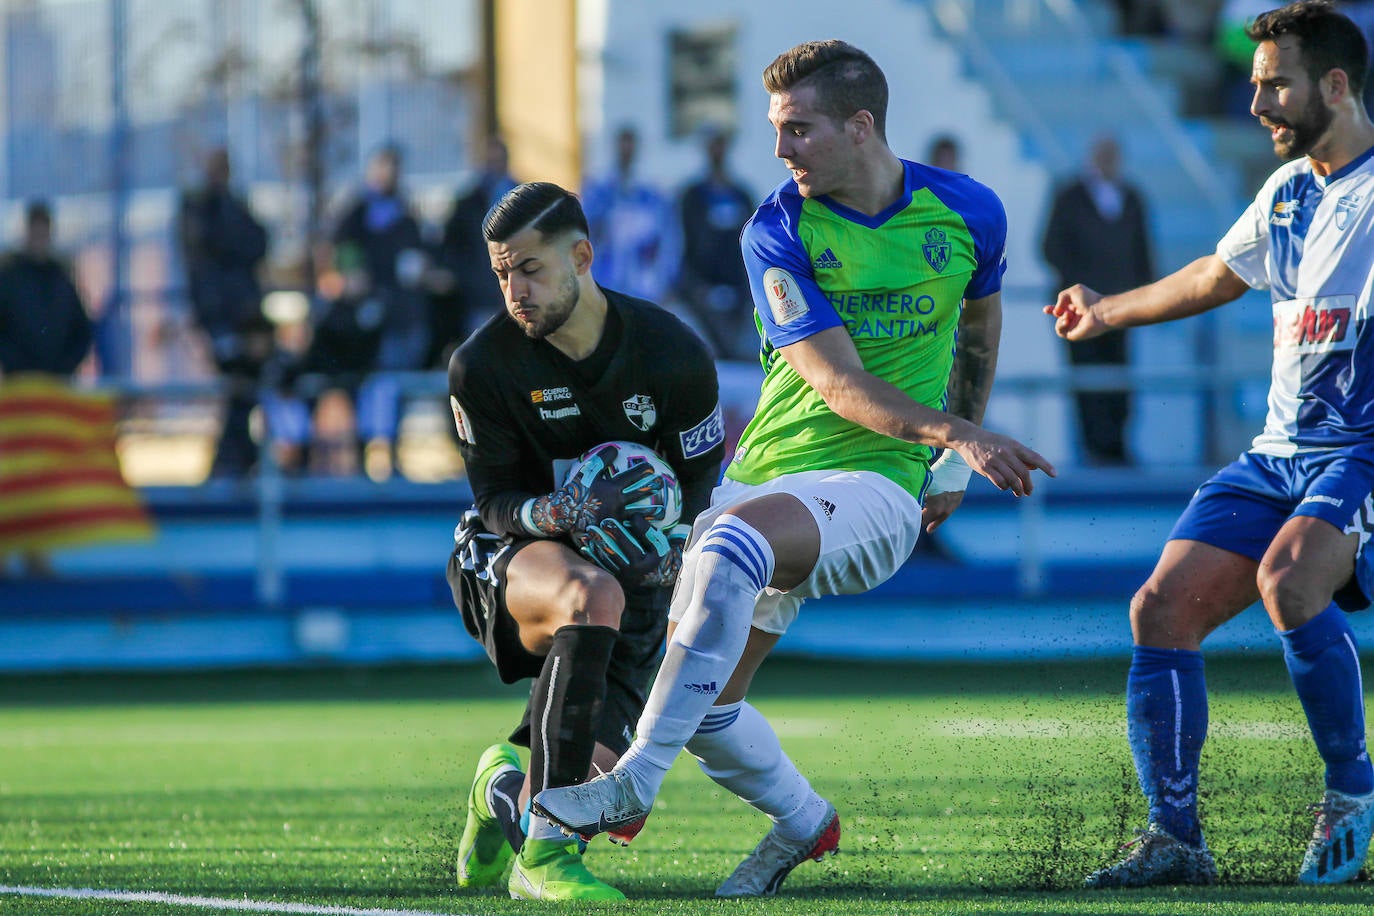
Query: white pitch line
x=221, y=903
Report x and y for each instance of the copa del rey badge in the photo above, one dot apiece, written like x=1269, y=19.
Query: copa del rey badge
x=785, y=298
x=640, y=411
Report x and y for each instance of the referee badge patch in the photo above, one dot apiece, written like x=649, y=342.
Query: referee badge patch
x=785, y=299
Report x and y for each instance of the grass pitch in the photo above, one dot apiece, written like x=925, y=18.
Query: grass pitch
x=961, y=788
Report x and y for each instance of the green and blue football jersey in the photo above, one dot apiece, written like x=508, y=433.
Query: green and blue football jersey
x=895, y=281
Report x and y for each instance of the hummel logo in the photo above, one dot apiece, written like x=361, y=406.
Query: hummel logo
x=826, y=506
x=709, y=688
x=826, y=260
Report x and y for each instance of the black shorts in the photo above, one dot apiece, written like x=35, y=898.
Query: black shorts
x=477, y=576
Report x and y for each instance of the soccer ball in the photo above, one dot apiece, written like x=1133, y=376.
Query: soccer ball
x=666, y=494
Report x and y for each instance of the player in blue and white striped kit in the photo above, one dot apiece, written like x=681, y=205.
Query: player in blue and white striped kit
x=1285, y=522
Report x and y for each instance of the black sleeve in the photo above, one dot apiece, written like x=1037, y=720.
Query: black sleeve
x=79, y=331
x=693, y=431
x=1055, y=243
x=349, y=227
x=190, y=229
x=9, y=347
x=487, y=442
x=694, y=228
x=246, y=234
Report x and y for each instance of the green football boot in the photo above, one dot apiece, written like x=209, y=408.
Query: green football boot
x=483, y=853
x=553, y=870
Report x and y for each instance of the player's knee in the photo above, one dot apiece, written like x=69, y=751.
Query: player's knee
x=1158, y=620
x=1289, y=595
x=592, y=596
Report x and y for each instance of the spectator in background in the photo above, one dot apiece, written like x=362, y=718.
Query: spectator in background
x=944, y=153
x=713, y=281
x=466, y=290
x=43, y=323
x=633, y=227
x=44, y=328
x=222, y=244
x=377, y=246
x=1097, y=234
x=1139, y=17
x=1361, y=12
x=1236, y=50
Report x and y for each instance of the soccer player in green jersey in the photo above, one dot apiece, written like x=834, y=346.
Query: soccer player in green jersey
x=877, y=286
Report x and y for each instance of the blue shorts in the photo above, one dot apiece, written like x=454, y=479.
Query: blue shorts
x=1245, y=504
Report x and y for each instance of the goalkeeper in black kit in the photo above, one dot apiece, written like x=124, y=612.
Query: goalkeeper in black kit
x=565, y=578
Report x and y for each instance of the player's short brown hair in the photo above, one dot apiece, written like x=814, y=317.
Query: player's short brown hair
x=846, y=79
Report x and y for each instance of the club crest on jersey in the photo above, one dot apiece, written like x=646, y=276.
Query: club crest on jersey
x=936, y=250
x=640, y=410
x=461, y=421
x=785, y=298
x=1346, y=208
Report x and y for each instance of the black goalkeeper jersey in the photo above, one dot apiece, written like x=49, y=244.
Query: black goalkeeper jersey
x=522, y=404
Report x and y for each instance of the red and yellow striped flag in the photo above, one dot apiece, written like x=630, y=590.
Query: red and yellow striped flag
x=60, y=484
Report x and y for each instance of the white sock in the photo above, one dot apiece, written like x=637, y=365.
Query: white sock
x=738, y=749
x=730, y=566
x=541, y=828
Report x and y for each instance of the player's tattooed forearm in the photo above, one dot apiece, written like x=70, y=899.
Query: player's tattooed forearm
x=970, y=382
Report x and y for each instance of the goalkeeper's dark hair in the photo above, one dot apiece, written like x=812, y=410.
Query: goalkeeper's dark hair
x=846, y=79
x=1327, y=39
x=541, y=205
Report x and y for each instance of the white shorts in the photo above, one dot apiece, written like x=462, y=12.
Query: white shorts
x=868, y=524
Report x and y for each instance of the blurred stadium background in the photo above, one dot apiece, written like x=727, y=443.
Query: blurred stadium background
x=107, y=106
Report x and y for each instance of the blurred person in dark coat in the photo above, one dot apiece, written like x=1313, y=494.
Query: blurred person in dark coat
x=1097, y=234
x=43, y=323
x=222, y=245
x=944, y=153
x=713, y=281
x=378, y=246
x=466, y=292
x=44, y=328
x=633, y=226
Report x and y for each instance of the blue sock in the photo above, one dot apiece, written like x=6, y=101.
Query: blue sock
x=1166, y=719
x=1322, y=660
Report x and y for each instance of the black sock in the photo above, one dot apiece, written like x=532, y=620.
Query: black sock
x=565, y=705
x=504, y=800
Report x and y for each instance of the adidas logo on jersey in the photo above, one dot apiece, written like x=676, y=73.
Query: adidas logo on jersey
x=707, y=688
x=826, y=260
x=826, y=506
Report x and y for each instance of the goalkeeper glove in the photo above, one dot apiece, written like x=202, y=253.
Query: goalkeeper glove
x=638, y=554
x=592, y=494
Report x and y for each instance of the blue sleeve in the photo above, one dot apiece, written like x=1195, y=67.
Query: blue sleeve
x=986, y=219
x=789, y=304
x=987, y=222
